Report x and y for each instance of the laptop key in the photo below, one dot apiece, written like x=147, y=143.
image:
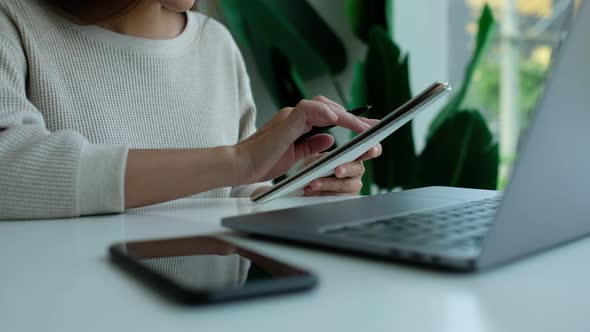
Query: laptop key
x=458, y=226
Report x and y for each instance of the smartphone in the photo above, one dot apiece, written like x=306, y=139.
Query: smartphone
x=207, y=269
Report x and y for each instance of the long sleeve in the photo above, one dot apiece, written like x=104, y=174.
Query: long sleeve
x=49, y=174
x=74, y=99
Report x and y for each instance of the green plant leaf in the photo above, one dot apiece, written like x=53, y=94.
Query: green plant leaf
x=359, y=98
x=358, y=92
x=368, y=178
x=389, y=16
x=280, y=76
x=364, y=15
x=292, y=27
x=234, y=20
x=387, y=88
x=486, y=27
x=461, y=153
x=288, y=89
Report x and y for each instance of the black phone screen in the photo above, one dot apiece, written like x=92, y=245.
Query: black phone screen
x=206, y=269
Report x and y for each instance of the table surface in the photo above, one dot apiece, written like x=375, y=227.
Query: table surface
x=55, y=276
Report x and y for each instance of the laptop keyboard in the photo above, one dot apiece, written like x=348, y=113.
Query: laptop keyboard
x=460, y=226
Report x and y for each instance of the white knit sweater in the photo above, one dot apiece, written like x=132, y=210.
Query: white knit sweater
x=74, y=99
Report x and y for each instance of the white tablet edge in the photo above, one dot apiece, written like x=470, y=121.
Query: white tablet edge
x=357, y=146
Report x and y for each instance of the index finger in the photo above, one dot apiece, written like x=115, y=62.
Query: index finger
x=368, y=121
x=345, y=119
x=350, y=121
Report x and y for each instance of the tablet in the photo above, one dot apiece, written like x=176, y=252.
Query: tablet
x=356, y=147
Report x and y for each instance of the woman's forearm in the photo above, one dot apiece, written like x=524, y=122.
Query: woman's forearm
x=156, y=176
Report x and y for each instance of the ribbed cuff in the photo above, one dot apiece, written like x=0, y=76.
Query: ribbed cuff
x=101, y=179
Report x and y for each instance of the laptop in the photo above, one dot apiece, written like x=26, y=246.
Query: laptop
x=546, y=204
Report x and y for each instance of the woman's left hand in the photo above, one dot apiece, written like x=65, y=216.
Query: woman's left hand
x=347, y=181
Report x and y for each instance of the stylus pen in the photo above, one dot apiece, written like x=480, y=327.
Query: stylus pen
x=318, y=130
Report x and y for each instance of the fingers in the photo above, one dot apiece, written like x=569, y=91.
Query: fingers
x=353, y=169
x=330, y=102
x=343, y=118
x=321, y=112
x=310, y=159
x=318, y=112
x=312, y=146
x=374, y=152
x=292, y=122
x=337, y=185
x=315, y=113
x=368, y=121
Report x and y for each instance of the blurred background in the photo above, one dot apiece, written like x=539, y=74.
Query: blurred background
x=510, y=80
x=442, y=40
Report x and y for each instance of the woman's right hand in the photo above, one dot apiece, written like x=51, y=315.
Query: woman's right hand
x=161, y=175
x=271, y=151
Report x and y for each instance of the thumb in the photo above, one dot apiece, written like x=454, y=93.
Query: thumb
x=311, y=159
x=313, y=145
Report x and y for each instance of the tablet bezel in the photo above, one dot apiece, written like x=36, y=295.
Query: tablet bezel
x=414, y=105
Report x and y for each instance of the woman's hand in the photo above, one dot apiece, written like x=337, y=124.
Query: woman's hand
x=347, y=180
x=271, y=151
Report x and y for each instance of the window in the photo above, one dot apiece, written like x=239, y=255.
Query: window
x=511, y=77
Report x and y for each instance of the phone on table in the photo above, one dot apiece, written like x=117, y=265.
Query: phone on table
x=206, y=269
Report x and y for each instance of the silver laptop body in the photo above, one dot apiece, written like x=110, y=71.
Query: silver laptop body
x=546, y=204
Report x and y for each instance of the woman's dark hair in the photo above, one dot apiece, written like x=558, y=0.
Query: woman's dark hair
x=93, y=11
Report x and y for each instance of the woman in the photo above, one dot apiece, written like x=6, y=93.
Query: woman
x=110, y=105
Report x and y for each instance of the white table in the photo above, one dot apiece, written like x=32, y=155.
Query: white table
x=55, y=276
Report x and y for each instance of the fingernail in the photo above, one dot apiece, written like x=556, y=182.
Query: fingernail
x=316, y=185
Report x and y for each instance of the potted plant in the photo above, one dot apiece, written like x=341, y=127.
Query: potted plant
x=292, y=43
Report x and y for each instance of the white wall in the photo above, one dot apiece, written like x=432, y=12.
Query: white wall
x=421, y=28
